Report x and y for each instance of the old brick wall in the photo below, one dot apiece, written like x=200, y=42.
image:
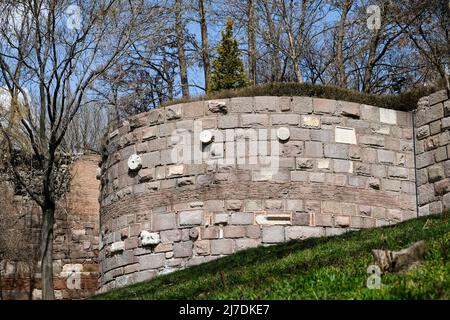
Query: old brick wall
x=75, y=243
x=344, y=166
x=432, y=122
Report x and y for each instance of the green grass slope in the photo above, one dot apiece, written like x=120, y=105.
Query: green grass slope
x=322, y=268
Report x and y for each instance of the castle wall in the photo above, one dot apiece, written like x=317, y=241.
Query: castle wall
x=432, y=122
x=76, y=237
x=338, y=166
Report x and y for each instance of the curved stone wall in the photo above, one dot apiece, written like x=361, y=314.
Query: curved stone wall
x=334, y=166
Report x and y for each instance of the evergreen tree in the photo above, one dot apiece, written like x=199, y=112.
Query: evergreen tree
x=228, y=68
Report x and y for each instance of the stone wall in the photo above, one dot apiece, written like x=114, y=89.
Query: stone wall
x=340, y=166
x=75, y=240
x=432, y=122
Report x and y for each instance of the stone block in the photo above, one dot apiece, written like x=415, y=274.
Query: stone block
x=388, y=116
x=194, y=109
x=211, y=232
x=250, y=120
x=370, y=113
x=351, y=109
x=313, y=149
x=398, y=172
x=303, y=232
x=435, y=173
x=228, y=121
x=285, y=119
x=304, y=163
x=424, y=160
x=151, y=261
x=234, y=232
x=253, y=205
x=220, y=218
x=440, y=154
x=310, y=122
x=331, y=207
x=371, y=140
x=343, y=166
x=323, y=106
x=182, y=249
x=299, y=134
x=242, y=244
x=253, y=231
x=285, y=103
x=442, y=187
x=241, y=105
x=317, y=177
x=325, y=220
x=446, y=201
x=425, y=194
x=169, y=236
x=324, y=164
x=164, y=221
x=435, y=112
x=342, y=221
x=174, y=171
x=386, y=156
x=391, y=185
x=345, y=135
x=202, y=247
x=241, y=218
x=164, y=247
x=273, y=234
x=354, y=152
x=299, y=176
x=273, y=204
x=190, y=218
x=337, y=151
x=222, y=246
x=349, y=208
x=294, y=205
x=322, y=135
x=301, y=219
x=302, y=105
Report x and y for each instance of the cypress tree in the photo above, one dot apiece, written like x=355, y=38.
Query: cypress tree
x=228, y=68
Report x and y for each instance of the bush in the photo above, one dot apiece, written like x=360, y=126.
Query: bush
x=406, y=101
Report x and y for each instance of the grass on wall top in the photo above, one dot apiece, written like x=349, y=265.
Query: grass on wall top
x=315, y=268
x=406, y=101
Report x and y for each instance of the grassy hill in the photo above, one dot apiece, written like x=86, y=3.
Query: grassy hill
x=322, y=268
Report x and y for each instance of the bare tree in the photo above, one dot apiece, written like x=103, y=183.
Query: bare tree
x=427, y=25
x=51, y=54
x=205, y=48
x=179, y=30
x=251, y=41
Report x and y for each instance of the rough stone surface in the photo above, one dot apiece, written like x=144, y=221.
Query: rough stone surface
x=344, y=166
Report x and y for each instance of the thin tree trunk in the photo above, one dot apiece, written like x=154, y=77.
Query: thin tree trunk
x=205, y=49
x=370, y=61
x=46, y=250
x=340, y=44
x=180, y=45
x=251, y=42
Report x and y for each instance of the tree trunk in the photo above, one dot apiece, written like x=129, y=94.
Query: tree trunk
x=251, y=42
x=180, y=45
x=46, y=250
x=205, y=49
x=371, y=61
x=340, y=44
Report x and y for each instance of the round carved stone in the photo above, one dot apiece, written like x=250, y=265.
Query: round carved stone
x=134, y=162
x=206, y=136
x=283, y=133
x=193, y=233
